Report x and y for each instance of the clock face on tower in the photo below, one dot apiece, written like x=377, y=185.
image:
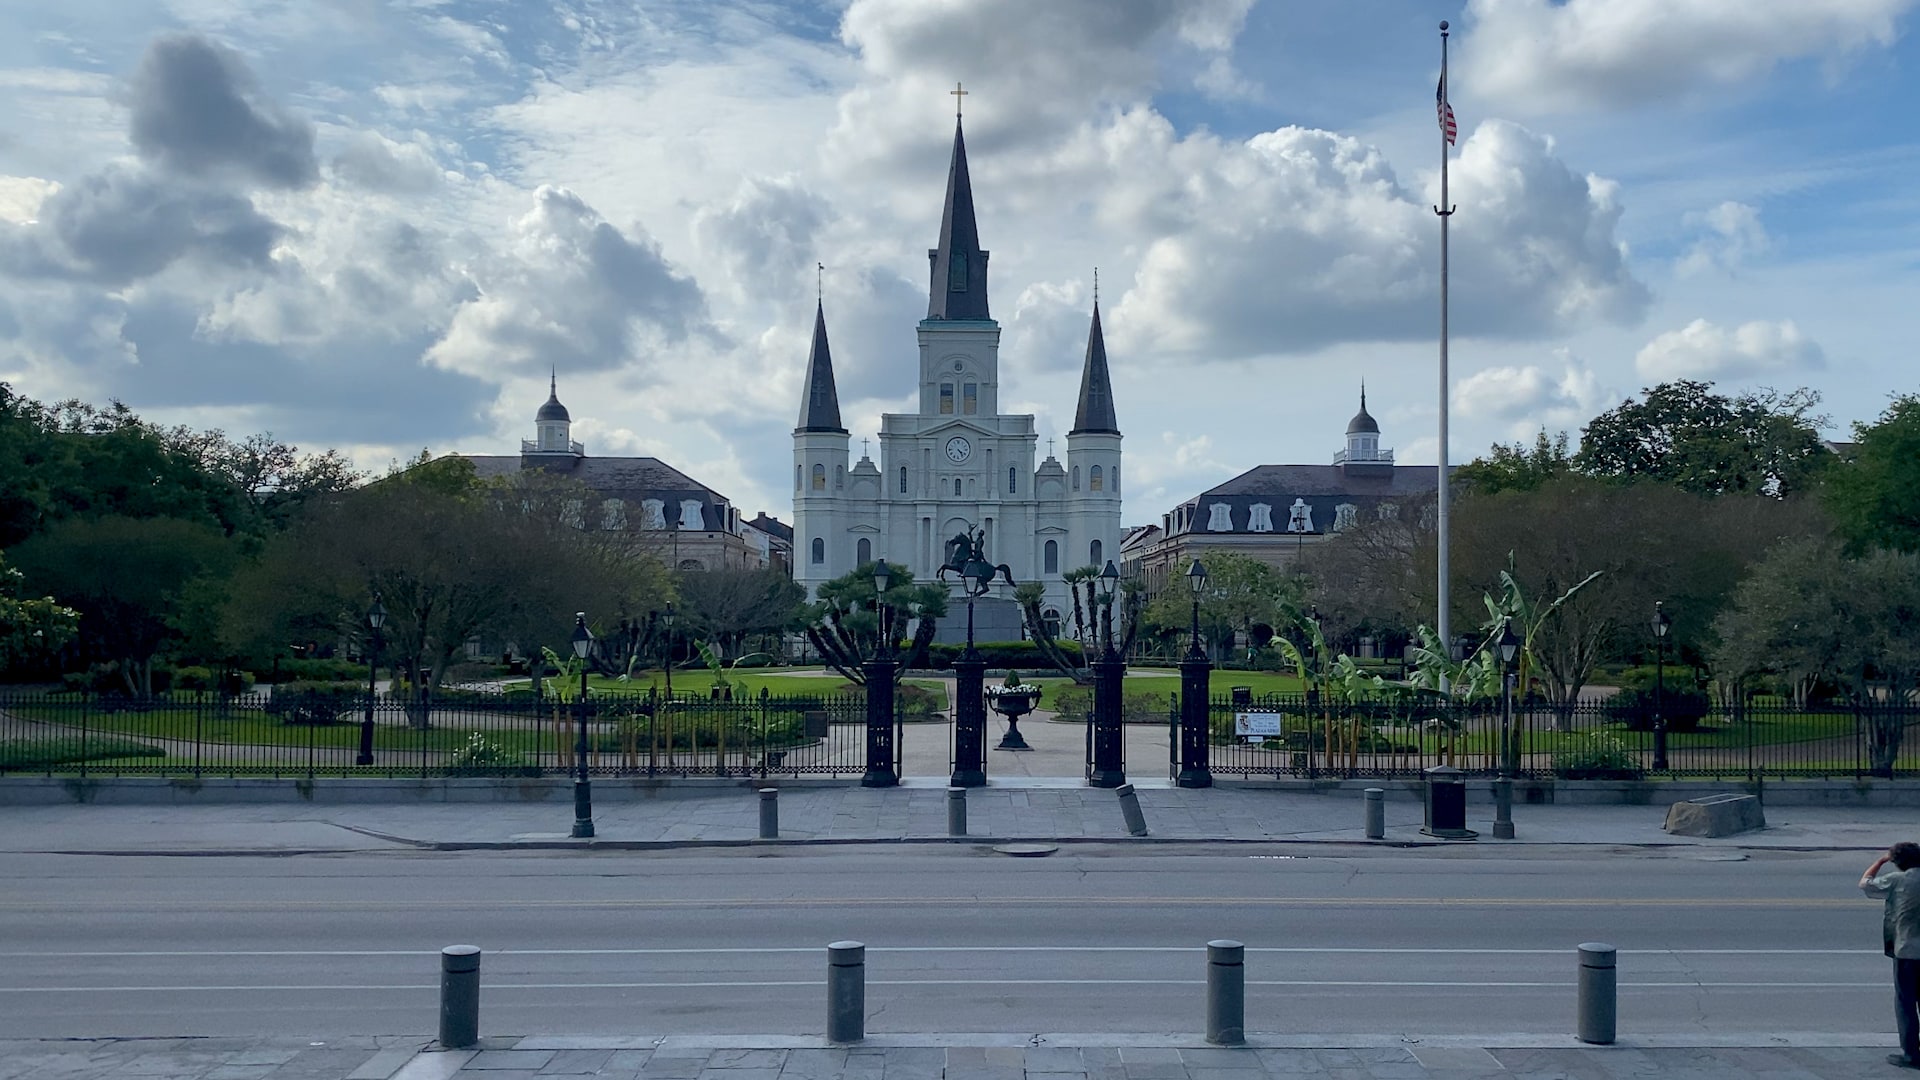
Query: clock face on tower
x=959, y=449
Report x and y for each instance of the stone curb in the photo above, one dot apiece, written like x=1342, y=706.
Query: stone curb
x=603, y=844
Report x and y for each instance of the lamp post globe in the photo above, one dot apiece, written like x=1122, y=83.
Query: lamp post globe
x=376, y=618
x=582, y=788
x=1197, y=585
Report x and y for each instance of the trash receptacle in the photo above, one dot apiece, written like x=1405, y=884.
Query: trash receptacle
x=1242, y=696
x=1447, y=804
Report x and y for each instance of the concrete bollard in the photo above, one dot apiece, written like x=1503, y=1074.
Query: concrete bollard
x=1375, y=801
x=846, y=991
x=459, y=996
x=1598, y=1006
x=1503, y=809
x=1130, y=809
x=769, y=813
x=956, y=811
x=1226, y=993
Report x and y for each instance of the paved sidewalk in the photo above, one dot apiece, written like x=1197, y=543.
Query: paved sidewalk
x=905, y=1057
x=721, y=815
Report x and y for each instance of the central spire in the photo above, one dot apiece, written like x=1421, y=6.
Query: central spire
x=958, y=289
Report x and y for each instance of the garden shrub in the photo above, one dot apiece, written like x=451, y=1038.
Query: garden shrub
x=1683, y=708
x=1001, y=654
x=484, y=757
x=1598, y=755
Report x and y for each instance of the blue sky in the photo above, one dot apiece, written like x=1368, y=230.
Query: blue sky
x=377, y=224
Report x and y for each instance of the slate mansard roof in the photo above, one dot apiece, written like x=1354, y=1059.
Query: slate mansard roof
x=1324, y=489
x=629, y=479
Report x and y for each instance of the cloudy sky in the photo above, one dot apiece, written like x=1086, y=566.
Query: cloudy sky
x=375, y=224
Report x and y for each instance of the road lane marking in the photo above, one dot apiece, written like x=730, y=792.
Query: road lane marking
x=502, y=986
x=469, y=903
x=786, y=949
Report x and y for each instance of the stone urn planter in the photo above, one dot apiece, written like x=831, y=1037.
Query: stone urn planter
x=1013, y=701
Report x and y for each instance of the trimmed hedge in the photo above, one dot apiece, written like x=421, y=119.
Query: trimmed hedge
x=314, y=702
x=1002, y=654
x=1683, y=709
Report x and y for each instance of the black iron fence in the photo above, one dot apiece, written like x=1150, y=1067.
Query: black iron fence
x=464, y=733
x=1297, y=736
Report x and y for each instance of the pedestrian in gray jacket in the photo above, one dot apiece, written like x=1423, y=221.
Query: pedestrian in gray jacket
x=1900, y=929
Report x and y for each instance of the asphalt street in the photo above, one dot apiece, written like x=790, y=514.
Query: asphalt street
x=1096, y=938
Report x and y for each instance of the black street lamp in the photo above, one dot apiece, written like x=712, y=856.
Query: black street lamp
x=665, y=707
x=1508, y=645
x=969, y=684
x=376, y=618
x=582, y=787
x=879, y=671
x=1195, y=713
x=1109, y=765
x=1661, y=624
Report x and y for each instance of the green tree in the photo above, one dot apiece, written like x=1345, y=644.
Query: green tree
x=1684, y=434
x=32, y=631
x=1516, y=467
x=129, y=579
x=844, y=625
x=1242, y=593
x=452, y=558
x=1874, y=495
x=1807, y=610
x=730, y=605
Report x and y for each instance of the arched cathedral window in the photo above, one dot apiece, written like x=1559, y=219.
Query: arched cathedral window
x=903, y=479
x=1093, y=553
x=1052, y=557
x=1076, y=478
x=863, y=552
x=819, y=478
x=1096, y=479
x=819, y=552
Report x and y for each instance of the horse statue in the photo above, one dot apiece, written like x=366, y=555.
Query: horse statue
x=965, y=548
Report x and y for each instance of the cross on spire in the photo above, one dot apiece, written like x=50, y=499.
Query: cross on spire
x=959, y=95
x=863, y=448
x=1096, y=286
x=1049, y=446
x=820, y=282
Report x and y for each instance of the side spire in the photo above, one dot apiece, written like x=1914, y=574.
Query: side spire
x=958, y=289
x=1094, y=415
x=820, y=407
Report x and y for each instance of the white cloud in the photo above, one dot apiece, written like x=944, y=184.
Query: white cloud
x=570, y=290
x=1704, y=350
x=1051, y=65
x=1733, y=236
x=1540, y=56
x=1527, y=398
x=22, y=196
x=1296, y=239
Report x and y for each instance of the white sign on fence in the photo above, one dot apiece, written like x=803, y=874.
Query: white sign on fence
x=1257, y=725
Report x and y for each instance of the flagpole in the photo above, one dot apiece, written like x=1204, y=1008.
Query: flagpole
x=1445, y=213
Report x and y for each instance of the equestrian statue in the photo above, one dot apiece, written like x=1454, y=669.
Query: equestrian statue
x=971, y=547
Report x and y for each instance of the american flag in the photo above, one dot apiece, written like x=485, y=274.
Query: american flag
x=1447, y=126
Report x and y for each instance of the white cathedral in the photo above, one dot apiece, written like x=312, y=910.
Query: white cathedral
x=958, y=465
